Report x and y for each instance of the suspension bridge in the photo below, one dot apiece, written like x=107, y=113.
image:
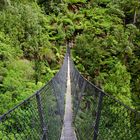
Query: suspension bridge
x=69, y=107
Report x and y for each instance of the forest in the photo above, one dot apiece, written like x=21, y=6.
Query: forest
x=106, y=46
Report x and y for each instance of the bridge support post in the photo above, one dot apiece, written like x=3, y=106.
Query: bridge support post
x=98, y=115
x=41, y=115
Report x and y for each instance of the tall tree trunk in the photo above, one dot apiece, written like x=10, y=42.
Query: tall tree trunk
x=36, y=72
x=135, y=17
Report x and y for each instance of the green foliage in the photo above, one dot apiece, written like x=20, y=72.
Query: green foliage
x=4, y=4
x=107, y=44
x=17, y=85
x=27, y=53
x=113, y=82
x=75, y=1
x=106, y=38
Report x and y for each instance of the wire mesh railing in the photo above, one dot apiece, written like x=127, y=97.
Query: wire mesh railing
x=22, y=122
x=100, y=116
x=96, y=115
x=85, y=104
x=40, y=117
x=118, y=121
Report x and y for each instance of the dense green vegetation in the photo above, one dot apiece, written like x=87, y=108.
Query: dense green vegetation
x=105, y=35
x=28, y=57
x=106, y=39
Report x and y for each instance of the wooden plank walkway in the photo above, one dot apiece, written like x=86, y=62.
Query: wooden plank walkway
x=68, y=132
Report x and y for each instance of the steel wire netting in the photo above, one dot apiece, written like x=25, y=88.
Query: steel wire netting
x=22, y=122
x=85, y=102
x=39, y=117
x=118, y=121
x=96, y=115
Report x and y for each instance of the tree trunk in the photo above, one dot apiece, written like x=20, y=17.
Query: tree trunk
x=135, y=17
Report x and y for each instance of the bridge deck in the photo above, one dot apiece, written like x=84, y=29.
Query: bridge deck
x=68, y=132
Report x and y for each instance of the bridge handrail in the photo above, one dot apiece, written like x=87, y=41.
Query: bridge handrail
x=106, y=94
